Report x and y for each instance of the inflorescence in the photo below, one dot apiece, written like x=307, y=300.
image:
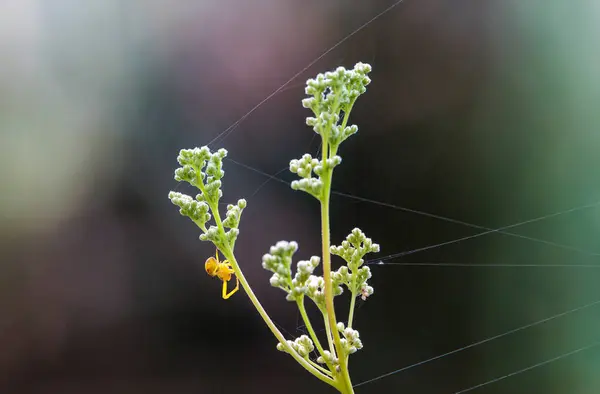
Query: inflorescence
x=331, y=98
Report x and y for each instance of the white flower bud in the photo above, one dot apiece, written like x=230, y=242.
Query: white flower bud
x=274, y=280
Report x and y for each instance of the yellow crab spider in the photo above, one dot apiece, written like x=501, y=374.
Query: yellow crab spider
x=222, y=270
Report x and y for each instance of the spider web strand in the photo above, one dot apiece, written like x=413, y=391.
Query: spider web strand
x=224, y=134
x=513, y=331
x=531, y=367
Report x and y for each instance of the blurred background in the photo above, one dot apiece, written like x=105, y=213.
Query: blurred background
x=483, y=112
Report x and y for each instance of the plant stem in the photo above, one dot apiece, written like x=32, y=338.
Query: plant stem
x=351, y=312
x=328, y=333
x=350, y=318
x=326, y=177
x=320, y=368
x=354, y=269
x=234, y=264
x=311, y=331
x=271, y=325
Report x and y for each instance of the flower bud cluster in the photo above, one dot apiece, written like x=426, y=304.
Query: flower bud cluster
x=232, y=220
x=304, y=167
x=323, y=120
x=328, y=359
x=204, y=169
x=316, y=290
x=365, y=291
x=341, y=277
x=355, y=281
x=341, y=86
x=303, y=345
x=194, y=209
x=339, y=134
x=353, y=249
x=279, y=261
x=212, y=235
x=351, y=339
x=331, y=93
x=304, y=271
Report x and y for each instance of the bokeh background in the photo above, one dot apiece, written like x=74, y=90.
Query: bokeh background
x=480, y=111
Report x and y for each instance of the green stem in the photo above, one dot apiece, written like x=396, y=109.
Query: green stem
x=354, y=269
x=331, y=322
x=347, y=114
x=326, y=178
x=201, y=225
x=311, y=331
x=214, y=207
x=328, y=333
x=351, y=313
x=229, y=255
x=320, y=368
x=238, y=272
x=350, y=318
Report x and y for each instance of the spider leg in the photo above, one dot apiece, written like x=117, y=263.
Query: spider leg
x=237, y=287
